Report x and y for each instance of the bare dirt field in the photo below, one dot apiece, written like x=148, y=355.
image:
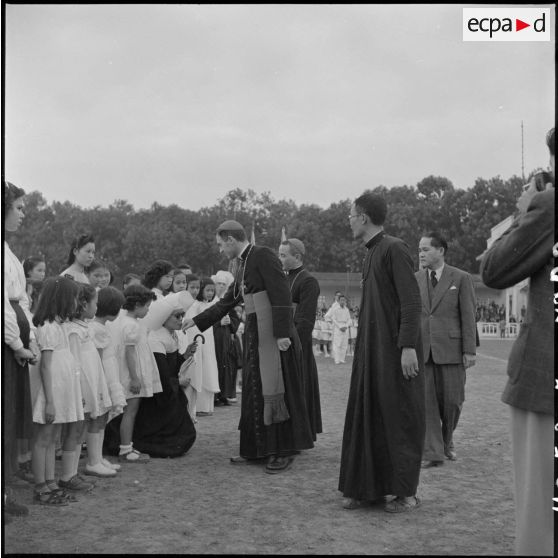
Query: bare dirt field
x=201, y=504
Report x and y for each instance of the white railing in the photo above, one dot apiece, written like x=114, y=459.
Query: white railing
x=492, y=329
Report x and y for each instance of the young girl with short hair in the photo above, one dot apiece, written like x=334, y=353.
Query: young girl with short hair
x=96, y=396
x=34, y=268
x=158, y=277
x=204, y=375
x=109, y=303
x=179, y=282
x=59, y=398
x=99, y=274
x=139, y=374
x=193, y=285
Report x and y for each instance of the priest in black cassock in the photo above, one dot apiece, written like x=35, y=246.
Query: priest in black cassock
x=384, y=429
x=274, y=423
x=305, y=291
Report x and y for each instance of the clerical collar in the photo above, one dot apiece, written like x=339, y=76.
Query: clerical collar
x=295, y=270
x=376, y=238
x=245, y=252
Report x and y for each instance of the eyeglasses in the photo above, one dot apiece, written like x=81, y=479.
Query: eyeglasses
x=356, y=215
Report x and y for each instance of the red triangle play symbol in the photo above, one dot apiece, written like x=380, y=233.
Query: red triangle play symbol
x=519, y=25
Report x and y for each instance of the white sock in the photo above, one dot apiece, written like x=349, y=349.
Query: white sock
x=125, y=449
x=77, y=454
x=93, y=456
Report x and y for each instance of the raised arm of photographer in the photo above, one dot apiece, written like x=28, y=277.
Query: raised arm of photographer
x=528, y=194
x=525, y=247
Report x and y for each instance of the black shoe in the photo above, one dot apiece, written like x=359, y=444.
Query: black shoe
x=279, y=464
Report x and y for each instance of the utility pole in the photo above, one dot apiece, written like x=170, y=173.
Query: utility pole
x=522, y=155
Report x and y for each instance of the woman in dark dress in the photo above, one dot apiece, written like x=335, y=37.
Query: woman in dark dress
x=16, y=351
x=163, y=426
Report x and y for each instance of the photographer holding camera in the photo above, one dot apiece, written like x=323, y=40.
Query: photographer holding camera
x=525, y=251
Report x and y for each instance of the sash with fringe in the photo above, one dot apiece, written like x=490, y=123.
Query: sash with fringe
x=271, y=374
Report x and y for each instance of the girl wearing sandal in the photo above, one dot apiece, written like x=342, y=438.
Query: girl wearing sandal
x=58, y=401
x=139, y=374
x=94, y=386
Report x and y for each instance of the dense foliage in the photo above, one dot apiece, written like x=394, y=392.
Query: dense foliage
x=129, y=240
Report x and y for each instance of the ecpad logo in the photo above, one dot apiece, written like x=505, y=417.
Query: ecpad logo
x=506, y=24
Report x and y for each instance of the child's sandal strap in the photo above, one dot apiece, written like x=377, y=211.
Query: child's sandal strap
x=50, y=499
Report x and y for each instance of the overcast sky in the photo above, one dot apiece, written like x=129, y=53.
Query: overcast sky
x=182, y=103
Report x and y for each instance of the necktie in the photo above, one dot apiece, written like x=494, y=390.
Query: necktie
x=433, y=279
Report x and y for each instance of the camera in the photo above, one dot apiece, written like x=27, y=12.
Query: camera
x=542, y=178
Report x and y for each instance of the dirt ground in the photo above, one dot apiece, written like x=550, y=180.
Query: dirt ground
x=201, y=504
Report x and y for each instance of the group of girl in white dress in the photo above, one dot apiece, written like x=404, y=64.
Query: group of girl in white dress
x=96, y=362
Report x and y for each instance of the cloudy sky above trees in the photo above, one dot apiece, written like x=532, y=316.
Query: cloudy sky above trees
x=182, y=103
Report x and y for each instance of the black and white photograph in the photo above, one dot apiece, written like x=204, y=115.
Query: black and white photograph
x=278, y=279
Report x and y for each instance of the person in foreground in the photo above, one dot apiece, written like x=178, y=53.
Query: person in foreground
x=524, y=251
x=384, y=429
x=274, y=422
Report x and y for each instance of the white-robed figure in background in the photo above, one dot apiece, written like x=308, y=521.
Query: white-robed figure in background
x=341, y=319
x=203, y=375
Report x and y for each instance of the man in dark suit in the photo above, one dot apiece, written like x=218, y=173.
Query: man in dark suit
x=525, y=250
x=449, y=344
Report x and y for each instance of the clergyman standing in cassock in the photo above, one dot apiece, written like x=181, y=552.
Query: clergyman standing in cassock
x=383, y=437
x=305, y=291
x=274, y=423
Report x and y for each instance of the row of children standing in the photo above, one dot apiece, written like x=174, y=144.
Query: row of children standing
x=81, y=379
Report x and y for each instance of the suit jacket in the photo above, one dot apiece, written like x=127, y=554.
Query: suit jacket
x=448, y=323
x=525, y=250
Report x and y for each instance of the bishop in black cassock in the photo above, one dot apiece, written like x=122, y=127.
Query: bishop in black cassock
x=274, y=421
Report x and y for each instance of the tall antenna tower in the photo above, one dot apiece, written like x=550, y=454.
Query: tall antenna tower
x=522, y=155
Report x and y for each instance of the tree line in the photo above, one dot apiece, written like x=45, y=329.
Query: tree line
x=129, y=240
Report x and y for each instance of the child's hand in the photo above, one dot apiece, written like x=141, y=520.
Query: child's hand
x=135, y=386
x=50, y=413
x=190, y=350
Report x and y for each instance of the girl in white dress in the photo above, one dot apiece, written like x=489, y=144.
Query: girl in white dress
x=99, y=274
x=158, y=278
x=94, y=388
x=109, y=304
x=58, y=400
x=204, y=375
x=139, y=374
x=178, y=281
